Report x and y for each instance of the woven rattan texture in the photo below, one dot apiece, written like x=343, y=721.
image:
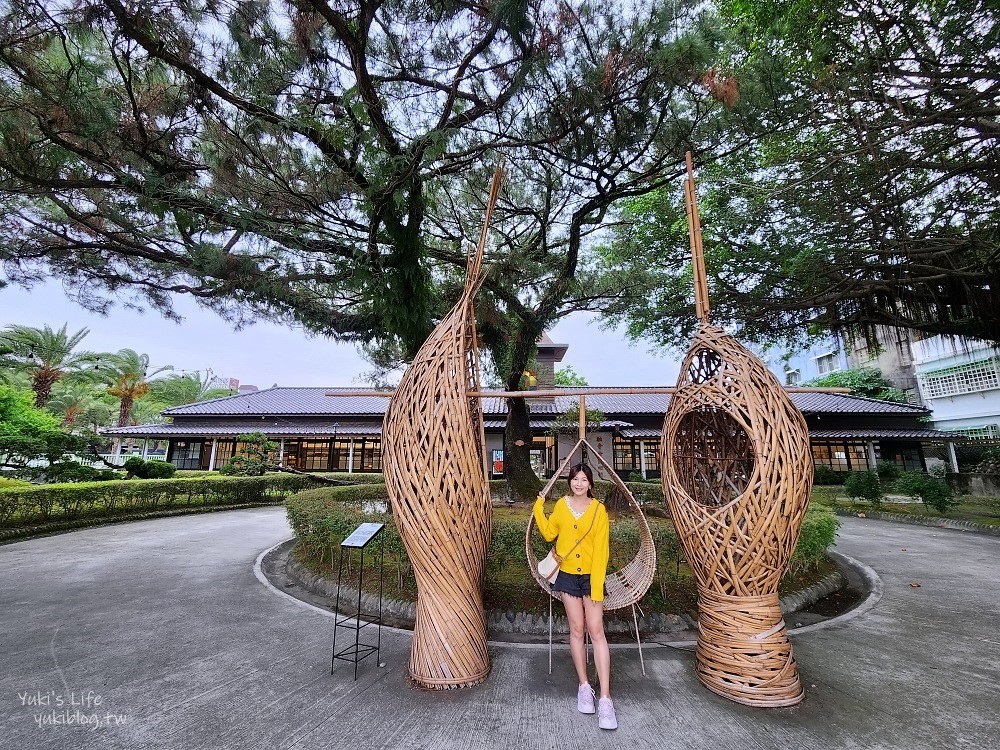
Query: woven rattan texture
x=623, y=587
x=737, y=474
x=433, y=462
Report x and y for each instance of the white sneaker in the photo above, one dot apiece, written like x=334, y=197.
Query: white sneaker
x=585, y=699
x=606, y=718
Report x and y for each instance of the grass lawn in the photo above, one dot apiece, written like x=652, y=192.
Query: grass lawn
x=973, y=508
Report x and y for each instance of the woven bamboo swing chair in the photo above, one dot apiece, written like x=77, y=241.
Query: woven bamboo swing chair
x=433, y=459
x=625, y=586
x=737, y=474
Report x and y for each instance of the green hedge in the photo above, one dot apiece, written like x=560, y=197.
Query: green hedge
x=52, y=502
x=322, y=517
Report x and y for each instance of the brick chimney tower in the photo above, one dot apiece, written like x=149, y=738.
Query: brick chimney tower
x=549, y=353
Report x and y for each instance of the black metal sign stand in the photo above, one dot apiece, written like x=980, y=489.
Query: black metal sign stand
x=356, y=620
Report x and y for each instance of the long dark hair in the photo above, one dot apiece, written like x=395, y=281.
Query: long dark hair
x=576, y=469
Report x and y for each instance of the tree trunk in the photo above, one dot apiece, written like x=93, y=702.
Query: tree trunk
x=522, y=481
x=125, y=411
x=42, y=382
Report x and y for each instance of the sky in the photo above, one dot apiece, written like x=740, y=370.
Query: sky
x=267, y=354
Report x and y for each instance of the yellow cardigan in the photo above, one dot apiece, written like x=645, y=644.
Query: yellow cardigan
x=591, y=555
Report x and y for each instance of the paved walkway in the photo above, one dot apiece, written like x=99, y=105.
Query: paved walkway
x=164, y=623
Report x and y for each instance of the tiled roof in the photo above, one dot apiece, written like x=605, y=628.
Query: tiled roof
x=499, y=424
x=280, y=400
x=316, y=401
x=889, y=434
x=844, y=403
x=271, y=428
x=640, y=433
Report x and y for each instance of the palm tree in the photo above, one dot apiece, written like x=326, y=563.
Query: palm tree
x=70, y=401
x=129, y=375
x=46, y=356
x=175, y=390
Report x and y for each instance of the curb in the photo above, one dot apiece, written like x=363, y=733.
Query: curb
x=13, y=534
x=499, y=623
x=937, y=523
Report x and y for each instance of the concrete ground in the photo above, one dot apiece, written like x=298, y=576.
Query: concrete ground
x=158, y=634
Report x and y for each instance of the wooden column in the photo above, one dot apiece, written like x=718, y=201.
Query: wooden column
x=952, y=458
x=870, y=449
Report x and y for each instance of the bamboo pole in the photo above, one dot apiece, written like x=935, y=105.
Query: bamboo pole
x=697, y=249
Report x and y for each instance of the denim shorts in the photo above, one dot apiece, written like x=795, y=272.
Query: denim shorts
x=573, y=584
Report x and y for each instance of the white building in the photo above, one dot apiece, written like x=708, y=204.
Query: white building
x=959, y=381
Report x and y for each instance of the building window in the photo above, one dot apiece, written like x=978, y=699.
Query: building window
x=359, y=454
x=341, y=455
x=906, y=458
x=827, y=363
x=223, y=452
x=974, y=377
x=793, y=377
x=370, y=458
x=845, y=456
x=543, y=456
x=314, y=455
x=186, y=454
x=627, y=456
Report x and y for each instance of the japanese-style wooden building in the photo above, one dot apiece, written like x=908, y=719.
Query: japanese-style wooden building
x=340, y=429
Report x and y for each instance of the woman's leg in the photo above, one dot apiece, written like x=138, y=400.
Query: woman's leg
x=602, y=654
x=574, y=613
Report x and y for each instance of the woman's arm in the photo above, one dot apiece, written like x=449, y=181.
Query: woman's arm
x=547, y=527
x=599, y=565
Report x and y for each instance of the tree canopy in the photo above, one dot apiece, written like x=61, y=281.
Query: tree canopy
x=28, y=432
x=326, y=164
x=870, y=194
x=46, y=356
x=863, y=381
x=567, y=376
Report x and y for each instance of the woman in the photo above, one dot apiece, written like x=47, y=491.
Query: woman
x=579, y=524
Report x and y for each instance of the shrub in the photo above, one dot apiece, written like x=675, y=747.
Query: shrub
x=938, y=471
x=253, y=455
x=134, y=466
x=887, y=471
x=154, y=469
x=864, y=485
x=931, y=491
x=825, y=475
x=322, y=517
x=160, y=470
x=819, y=531
x=10, y=482
x=70, y=471
x=41, y=503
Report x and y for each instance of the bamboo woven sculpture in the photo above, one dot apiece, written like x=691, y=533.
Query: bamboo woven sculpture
x=737, y=474
x=436, y=479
